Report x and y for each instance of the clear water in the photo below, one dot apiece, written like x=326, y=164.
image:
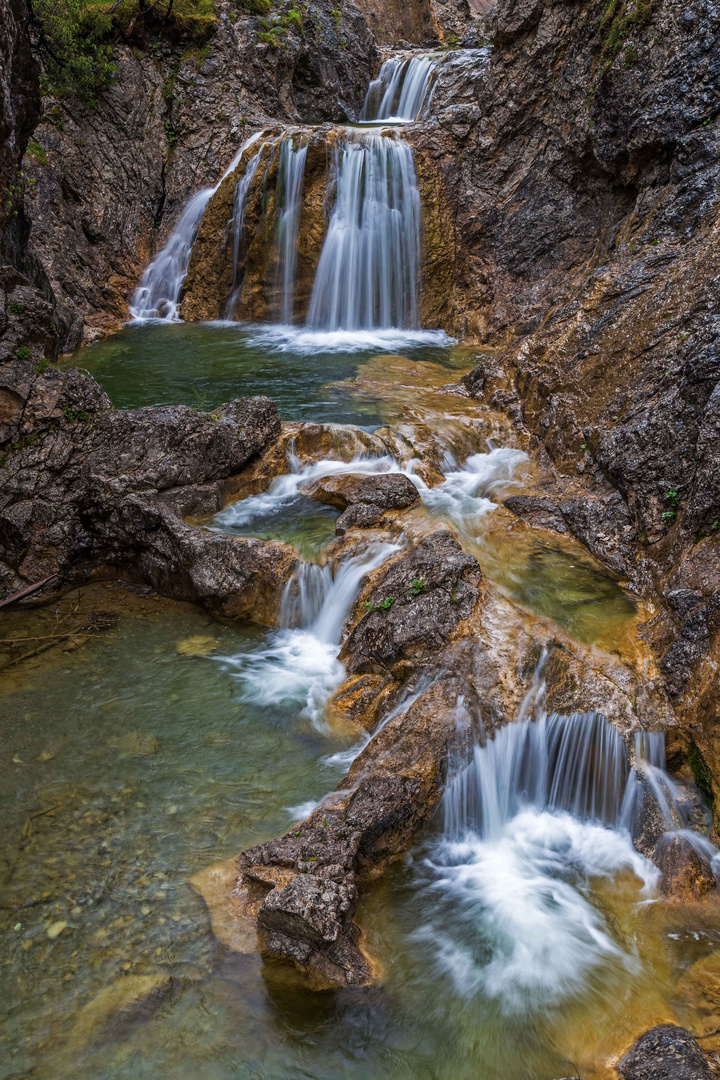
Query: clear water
x=204, y=365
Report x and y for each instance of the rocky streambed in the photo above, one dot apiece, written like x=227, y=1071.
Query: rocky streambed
x=421, y=622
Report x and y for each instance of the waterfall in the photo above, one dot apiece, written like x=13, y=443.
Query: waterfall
x=399, y=92
x=299, y=665
x=543, y=809
x=290, y=181
x=576, y=763
x=289, y=486
x=236, y=230
x=368, y=271
x=158, y=294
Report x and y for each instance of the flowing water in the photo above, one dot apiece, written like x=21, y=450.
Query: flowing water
x=368, y=272
x=158, y=294
x=400, y=90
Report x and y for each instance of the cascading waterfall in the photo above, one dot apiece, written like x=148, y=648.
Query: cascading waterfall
x=236, y=230
x=400, y=90
x=541, y=811
x=368, y=271
x=290, y=181
x=158, y=294
x=288, y=487
x=300, y=663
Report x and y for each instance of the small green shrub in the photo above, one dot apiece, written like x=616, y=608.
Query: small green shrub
x=15, y=309
x=74, y=37
x=23, y=353
x=383, y=605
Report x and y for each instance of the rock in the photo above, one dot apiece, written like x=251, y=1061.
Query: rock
x=360, y=516
x=55, y=929
x=231, y=922
x=199, y=645
x=665, y=1052
x=386, y=491
x=125, y=1001
x=650, y=821
x=414, y=605
x=87, y=487
x=684, y=874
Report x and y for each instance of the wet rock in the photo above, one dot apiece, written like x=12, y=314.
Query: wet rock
x=199, y=645
x=665, y=1052
x=360, y=516
x=124, y=1002
x=231, y=922
x=650, y=820
x=684, y=873
x=416, y=602
x=309, y=921
x=387, y=491
x=88, y=488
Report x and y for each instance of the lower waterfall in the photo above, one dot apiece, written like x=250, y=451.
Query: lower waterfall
x=299, y=664
x=541, y=814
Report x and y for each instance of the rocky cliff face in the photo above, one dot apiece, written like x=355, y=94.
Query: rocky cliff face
x=582, y=158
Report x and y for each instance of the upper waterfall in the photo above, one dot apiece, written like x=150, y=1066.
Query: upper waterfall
x=400, y=90
x=158, y=294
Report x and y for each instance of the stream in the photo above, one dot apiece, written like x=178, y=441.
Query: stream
x=521, y=937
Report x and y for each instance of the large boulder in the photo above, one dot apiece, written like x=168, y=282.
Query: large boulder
x=89, y=489
x=387, y=491
x=665, y=1052
x=415, y=604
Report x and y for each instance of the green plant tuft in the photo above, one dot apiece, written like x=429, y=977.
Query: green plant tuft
x=37, y=152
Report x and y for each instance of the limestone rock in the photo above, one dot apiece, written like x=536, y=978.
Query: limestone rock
x=665, y=1052
x=414, y=605
x=359, y=516
x=684, y=874
x=387, y=491
x=87, y=488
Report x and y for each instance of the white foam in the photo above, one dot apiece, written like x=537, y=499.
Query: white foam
x=301, y=666
x=524, y=929
x=466, y=492
x=306, y=342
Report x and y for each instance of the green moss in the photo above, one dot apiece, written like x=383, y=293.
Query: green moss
x=256, y=7
x=23, y=353
x=618, y=20
x=15, y=308
x=74, y=38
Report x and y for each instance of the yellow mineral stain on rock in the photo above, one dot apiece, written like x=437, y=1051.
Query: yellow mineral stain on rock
x=199, y=645
x=230, y=920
